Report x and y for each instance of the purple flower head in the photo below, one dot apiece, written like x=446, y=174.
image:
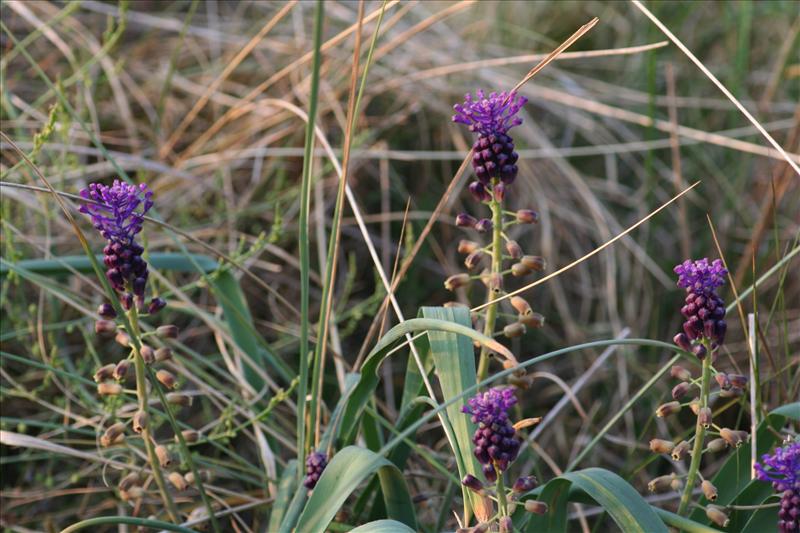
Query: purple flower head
x=490, y=115
x=315, y=465
x=782, y=468
x=700, y=276
x=120, y=212
x=491, y=406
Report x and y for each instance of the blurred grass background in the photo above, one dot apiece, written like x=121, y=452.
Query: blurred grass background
x=166, y=88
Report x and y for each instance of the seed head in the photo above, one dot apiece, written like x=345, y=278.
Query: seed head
x=177, y=481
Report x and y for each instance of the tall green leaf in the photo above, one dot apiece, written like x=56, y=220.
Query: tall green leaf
x=346, y=471
x=383, y=526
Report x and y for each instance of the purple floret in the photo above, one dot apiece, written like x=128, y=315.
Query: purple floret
x=490, y=115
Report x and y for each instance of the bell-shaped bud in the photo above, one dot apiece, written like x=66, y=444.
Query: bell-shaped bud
x=668, y=409
x=472, y=483
x=189, y=435
x=163, y=354
x=534, y=262
x=473, y=259
x=533, y=320
x=465, y=220
x=177, y=481
x=680, y=450
x=660, y=483
x=717, y=515
x=524, y=484
x=521, y=305
x=699, y=350
x=527, y=216
x=737, y=380
x=704, y=417
x=156, y=305
x=514, y=249
x=148, y=355
x=717, y=445
x=678, y=372
x=131, y=480
x=518, y=270
x=489, y=473
x=104, y=372
x=661, y=446
x=676, y=484
x=107, y=311
x=166, y=378
x=121, y=369
x=722, y=380
x=479, y=192
x=680, y=390
x=500, y=192
x=694, y=405
x=683, y=342
x=484, y=225
x=495, y=283
x=113, y=435
x=105, y=327
x=123, y=339
x=467, y=247
x=164, y=457
x=178, y=398
x=535, y=507
x=169, y=331
x=109, y=389
x=455, y=281
x=732, y=437
x=140, y=421
x=733, y=392
x=514, y=330
x=709, y=490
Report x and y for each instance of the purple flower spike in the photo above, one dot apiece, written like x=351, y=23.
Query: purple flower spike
x=496, y=445
x=490, y=115
x=315, y=465
x=782, y=469
x=704, y=310
x=117, y=212
x=121, y=215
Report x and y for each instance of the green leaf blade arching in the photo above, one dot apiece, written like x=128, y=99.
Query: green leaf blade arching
x=383, y=526
x=345, y=472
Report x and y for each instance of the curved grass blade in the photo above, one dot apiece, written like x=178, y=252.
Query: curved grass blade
x=383, y=526
x=555, y=493
x=346, y=471
x=286, y=488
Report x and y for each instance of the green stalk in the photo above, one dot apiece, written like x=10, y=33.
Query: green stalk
x=497, y=267
x=700, y=433
x=141, y=395
x=305, y=202
x=501, y=494
x=131, y=520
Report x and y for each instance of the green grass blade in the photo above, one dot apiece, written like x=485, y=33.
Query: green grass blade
x=346, y=471
x=286, y=489
x=383, y=526
x=555, y=493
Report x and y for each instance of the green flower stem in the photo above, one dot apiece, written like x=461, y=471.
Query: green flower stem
x=497, y=266
x=501, y=494
x=700, y=432
x=141, y=395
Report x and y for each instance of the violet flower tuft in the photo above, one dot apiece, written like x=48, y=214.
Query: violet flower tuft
x=315, y=465
x=704, y=310
x=782, y=469
x=495, y=443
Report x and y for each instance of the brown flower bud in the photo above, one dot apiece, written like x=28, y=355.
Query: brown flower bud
x=104, y=372
x=514, y=249
x=705, y=417
x=140, y=421
x=177, y=398
x=129, y=481
x=506, y=524
x=114, y=434
x=527, y=216
x=723, y=381
x=455, y=281
x=109, y=389
x=533, y=320
x=661, y=446
x=133, y=493
x=717, y=445
x=467, y=247
x=709, y=490
x=105, y=327
x=473, y=259
x=732, y=437
x=676, y=484
x=166, y=378
x=660, y=483
x=123, y=339
x=519, y=270
x=148, y=355
x=680, y=390
x=680, y=450
x=164, y=457
x=177, y=481
x=495, y=283
x=717, y=515
x=121, y=370
x=680, y=373
x=189, y=435
x=521, y=305
x=514, y=330
x=169, y=331
x=667, y=409
x=535, y=506
x=472, y=483
x=526, y=423
x=163, y=354
x=534, y=262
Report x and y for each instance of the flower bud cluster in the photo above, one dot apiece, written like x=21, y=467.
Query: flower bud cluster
x=782, y=469
x=704, y=311
x=315, y=465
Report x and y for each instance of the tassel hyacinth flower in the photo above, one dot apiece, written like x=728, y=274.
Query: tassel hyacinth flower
x=704, y=310
x=495, y=164
x=117, y=212
x=782, y=469
x=315, y=465
x=496, y=445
